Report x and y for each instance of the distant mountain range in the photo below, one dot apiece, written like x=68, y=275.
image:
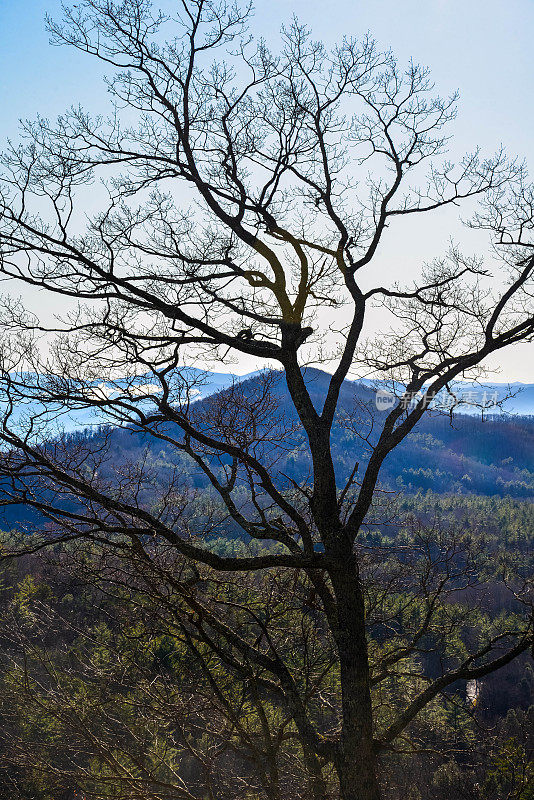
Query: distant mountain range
x=512, y=398
x=465, y=455
x=516, y=399
x=498, y=398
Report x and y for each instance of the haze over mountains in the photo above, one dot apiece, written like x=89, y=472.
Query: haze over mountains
x=515, y=399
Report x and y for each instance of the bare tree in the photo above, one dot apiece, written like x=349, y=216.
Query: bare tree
x=294, y=166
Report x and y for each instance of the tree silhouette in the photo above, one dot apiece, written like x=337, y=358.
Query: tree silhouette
x=246, y=192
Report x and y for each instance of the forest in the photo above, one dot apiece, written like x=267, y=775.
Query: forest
x=105, y=695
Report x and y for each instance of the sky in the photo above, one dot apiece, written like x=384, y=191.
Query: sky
x=483, y=48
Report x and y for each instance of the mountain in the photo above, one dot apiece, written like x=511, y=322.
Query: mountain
x=465, y=455
x=513, y=399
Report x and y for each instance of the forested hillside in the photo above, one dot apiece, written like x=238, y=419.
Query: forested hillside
x=456, y=455
x=102, y=695
x=459, y=454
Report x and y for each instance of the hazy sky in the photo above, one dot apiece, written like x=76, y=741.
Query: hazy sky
x=481, y=47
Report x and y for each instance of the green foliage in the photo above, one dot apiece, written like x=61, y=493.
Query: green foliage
x=511, y=772
x=102, y=686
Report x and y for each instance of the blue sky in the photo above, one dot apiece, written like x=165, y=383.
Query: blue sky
x=481, y=47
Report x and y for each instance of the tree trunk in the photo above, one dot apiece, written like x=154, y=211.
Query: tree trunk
x=356, y=763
